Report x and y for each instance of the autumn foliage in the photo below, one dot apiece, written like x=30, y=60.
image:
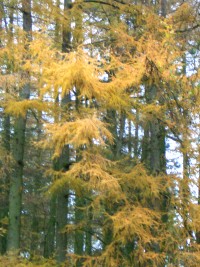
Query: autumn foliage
x=99, y=133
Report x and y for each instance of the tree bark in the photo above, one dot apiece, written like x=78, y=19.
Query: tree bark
x=50, y=228
x=163, y=8
x=6, y=146
x=62, y=163
x=16, y=182
x=79, y=233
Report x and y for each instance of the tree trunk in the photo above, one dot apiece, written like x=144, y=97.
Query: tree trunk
x=16, y=181
x=198, y=233
x=62, y=163
x=79, y=233
x=6, y=146
x=153, y=145
x=50, y=228
x=163, y=8
x=66, y=32
x=61, y=222
x=136, y=137
x=88, y=235
x=6, y=179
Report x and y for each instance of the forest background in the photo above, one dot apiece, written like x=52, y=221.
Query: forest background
x=100, y=133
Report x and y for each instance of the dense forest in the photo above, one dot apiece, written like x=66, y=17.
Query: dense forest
x=100, y=133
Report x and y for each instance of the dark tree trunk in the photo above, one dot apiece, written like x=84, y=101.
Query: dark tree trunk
x=63, y=161
x=6, y=146
x=16, y=181
x=79, y=233
x=4, y=191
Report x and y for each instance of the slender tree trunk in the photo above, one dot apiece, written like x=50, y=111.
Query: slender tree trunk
x=136, y=137
x=111, y=118
x=145, y=145
x=163, y=8
x=198, y=161
x=185, y=182
x=62, y=209
x=16, y=182
x=88, y=235
x=6, y=180
x=66, y=31
x=79, y=233
x=61, y=201
x=153, y=153
x=130, y=137
x=61, y=222
x=198, y=233
x=185, y=188
x=49, y=240
x=122, y=120
x=6, y=145
x=153, y=147
x=107, y=229
x=62, y=163
x=37, y=185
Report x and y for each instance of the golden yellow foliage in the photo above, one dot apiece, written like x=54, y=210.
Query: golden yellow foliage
x=90, y=173
x=20, y=108
x=138, y=180
x=135, y=222
x=87, y=131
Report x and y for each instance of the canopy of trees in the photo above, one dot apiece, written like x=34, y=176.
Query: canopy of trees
x=100, y=133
